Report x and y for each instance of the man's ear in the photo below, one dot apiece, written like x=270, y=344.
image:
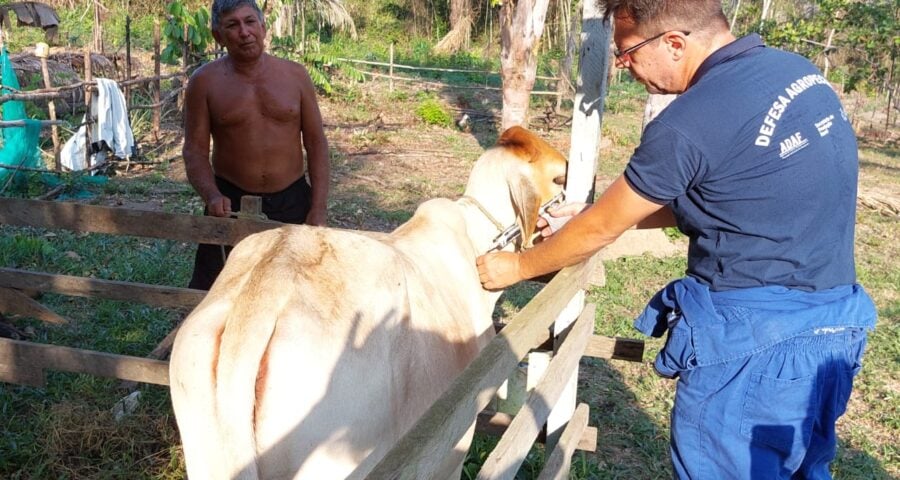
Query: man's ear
x=216, y=36
x=676, y=44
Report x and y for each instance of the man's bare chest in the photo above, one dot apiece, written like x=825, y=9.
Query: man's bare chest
x=238, y=104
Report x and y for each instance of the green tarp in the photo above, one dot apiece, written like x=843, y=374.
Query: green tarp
x=20, y=144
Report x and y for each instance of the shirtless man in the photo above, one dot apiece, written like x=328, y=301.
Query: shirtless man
x=259, y=111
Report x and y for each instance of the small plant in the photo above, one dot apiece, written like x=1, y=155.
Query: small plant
x=198, y=37
x=433, y=113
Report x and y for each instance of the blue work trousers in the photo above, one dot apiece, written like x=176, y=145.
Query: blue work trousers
x=770, y=415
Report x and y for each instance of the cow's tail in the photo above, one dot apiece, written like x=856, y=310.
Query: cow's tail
x=242, y=358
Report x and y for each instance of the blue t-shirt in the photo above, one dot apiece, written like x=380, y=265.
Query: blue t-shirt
x=758, y=161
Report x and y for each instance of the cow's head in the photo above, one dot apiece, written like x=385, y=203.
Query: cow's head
x=535, y=173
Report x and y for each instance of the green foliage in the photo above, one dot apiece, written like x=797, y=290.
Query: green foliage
x=865, y=36
x=198, y=38
x=433, y=113
x=319, y=65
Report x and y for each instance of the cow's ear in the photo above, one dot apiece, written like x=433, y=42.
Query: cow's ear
x=526, y=202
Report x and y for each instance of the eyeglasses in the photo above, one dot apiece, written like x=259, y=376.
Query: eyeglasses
x=619, y=54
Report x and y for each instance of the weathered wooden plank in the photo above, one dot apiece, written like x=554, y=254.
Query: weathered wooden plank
x=15, y=355
x=558, y=463
x=161, y=351
x=506, y=458
x=495, y=423
x=447, y=420
x=616, y=348
x=17, y=365
x=14, y=302
x=564, y=407
x=155, y=295
x=124, y=221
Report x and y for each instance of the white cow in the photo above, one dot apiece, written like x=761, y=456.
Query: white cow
x=317, y=349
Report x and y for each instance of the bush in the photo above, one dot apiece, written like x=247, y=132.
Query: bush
x=433, y=113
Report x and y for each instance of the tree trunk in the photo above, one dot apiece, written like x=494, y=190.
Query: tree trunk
x=587, y=111
x=565, y=85
x=767, y=4
x=737, y=8
x=656, y=103
x=521, y=25
x=461, y=20
x=98, y=28
x=826, y=53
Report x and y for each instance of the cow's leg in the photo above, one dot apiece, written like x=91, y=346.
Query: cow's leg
x=451, y=468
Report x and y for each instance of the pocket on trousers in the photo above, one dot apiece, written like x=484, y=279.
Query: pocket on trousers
x=779, y=412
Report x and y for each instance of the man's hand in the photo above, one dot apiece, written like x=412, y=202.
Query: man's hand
x=558, y=217
x=498, y=270
x=219, y=206
x=316, y=217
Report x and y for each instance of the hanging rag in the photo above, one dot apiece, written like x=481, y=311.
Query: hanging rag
x=110, y=129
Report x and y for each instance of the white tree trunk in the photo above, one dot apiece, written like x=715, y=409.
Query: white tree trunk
x=522, y=23
x=737, y=8
x=767, y=4
x=656, y=103
x=590, y=92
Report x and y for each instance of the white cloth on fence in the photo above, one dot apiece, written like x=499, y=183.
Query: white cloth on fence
x=110, y=125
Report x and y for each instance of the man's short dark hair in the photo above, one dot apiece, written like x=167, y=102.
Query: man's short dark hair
x=654, y=16
x=222, y=7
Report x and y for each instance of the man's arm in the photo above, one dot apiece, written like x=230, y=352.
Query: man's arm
x=662, y=218
x=617, y=210
x=316, y=146
x=196, y=147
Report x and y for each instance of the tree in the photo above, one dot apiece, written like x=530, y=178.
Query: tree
x=521, y=25
x=323, y=12
x=856, y=39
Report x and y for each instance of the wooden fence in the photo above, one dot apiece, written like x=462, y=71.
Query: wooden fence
x=560, y=302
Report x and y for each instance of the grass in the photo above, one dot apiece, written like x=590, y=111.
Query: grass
x=66, y=430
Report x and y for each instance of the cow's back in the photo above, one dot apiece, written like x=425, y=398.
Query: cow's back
x=313, y=355
x=263, y=363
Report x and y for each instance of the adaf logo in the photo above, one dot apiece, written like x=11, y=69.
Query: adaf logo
x=792, y=145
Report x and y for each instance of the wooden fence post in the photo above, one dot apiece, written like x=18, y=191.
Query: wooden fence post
x=156, y=83
x=185, y=52
x=587, y=114
x=127, y=60
x=98, y=28
x=42, y=50
x=88, y=117
x=391, y=70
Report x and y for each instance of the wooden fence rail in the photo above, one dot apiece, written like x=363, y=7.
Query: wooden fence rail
x=448, y=419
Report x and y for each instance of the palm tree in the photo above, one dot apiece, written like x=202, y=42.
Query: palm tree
x=324, y=12
x=461, y=19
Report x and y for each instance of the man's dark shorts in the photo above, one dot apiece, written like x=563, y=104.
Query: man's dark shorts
x=290, y=205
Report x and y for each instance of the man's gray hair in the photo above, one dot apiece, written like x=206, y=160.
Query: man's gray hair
x=222, y=7
x=651, y=16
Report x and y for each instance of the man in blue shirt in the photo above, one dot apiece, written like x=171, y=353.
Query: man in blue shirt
x=757, y=164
